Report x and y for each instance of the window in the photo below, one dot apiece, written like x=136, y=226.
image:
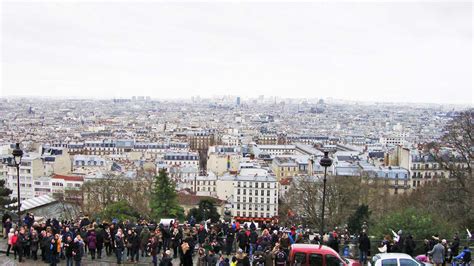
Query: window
x=408, y=262
x=389, y=262
x=300, y=258
x=268, y=193
x=315, y=260
x=238, y=191
x=332, y=261
x=261, y=192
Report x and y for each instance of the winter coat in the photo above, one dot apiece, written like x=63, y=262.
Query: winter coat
x=455, y=246
x=253, y=237
x=364, y=243
x=119, y=244
x=144, y=236
x=211, y=260
x=166, y=261
x=10, y=236
x=438, y=253
x=92, y=241
x=100, y=238
x=187, y=255
x=68, y=248
x=34, y=243
x=201, y=260
x=410, y=246
x=78, y=249
x=242, y=260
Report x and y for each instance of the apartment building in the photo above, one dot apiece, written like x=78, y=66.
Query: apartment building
x=284, y=167
x=222, y=159
x=181, y=158
x=277, y=150
x=395, y=178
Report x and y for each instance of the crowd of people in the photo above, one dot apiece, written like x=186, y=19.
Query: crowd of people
x=207, y=244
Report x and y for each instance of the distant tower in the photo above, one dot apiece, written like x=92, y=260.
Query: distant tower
x=237, y=101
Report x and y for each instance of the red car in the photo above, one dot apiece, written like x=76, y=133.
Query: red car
x=317, y=255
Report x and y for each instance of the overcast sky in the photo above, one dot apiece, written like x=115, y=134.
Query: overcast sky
x=407, y=52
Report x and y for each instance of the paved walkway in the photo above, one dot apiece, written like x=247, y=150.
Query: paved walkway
x=105, y=261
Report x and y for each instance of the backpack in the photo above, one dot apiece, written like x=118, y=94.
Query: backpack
x=280, y=256
x=467, y=257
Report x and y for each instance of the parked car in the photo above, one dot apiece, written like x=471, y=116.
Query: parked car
x=317, y=255
x=395, y=259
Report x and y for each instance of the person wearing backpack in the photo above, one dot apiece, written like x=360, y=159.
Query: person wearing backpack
x=465, y=256
x=280, y=256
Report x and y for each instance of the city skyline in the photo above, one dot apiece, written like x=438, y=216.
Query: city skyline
x=377, y=52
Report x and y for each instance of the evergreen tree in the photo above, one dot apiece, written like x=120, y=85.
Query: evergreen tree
x=164, y=199
x=120, y=210
x=205, y=211
x=5, y=197
x=356, y=220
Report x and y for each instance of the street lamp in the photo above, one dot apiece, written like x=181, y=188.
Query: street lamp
x=324, y=162
x=17, y=155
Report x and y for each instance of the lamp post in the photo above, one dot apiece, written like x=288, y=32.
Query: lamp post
x=17, y=155
x=324, y=162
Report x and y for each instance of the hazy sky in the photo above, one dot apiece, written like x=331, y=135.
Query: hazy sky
x=416, y=52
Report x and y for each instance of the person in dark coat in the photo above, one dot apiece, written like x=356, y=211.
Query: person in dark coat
x=364, y=247
x=21, y=243
x=243, y=240
x=34, y=245
x=187, y=257
x=153, y=248
x=55, y=250
x=211, y=258
x=100, y=242
x=78, y=250
x=176, y=237
x=68, y=246
x=229, y=241
x=92, y=244
x=166, y=259
x=119, y=246
x=135, y=241
x=253, y=237
x=144, y=236
x=410, y=245
x=455, y=246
